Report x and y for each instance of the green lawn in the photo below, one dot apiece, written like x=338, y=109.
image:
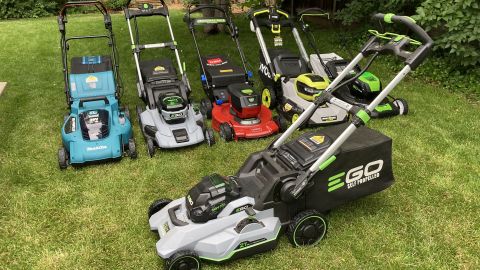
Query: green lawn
x=95, y=217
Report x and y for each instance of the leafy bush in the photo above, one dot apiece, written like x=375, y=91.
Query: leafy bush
x=27, y=8
x=115, y=4
x=455, y=27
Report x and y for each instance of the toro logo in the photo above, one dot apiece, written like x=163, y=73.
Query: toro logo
x=215, y=61
x=264, y=69
x=356, y=176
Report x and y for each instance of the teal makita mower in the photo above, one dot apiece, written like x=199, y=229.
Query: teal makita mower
x=361, y=91
x=289, y=186
x=96, y=128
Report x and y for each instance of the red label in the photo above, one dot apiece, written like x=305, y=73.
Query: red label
x=214, y=61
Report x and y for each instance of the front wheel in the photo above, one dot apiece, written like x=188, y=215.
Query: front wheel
x=209, y=137
x=269, y=98
x=132, y=149
x=62, y=158
x=183, y=260
x=281, y=123
x=157, y=206
x=206, y=108
x=150, y=147
x=226, y=132
x=307, y=228
x=402, y=106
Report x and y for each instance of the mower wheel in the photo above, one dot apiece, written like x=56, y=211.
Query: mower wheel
x=307, y=228
x=226, y=132
x=126, y=112
x=184, y=259
x=132, y=149
x=209, y=137
x=281, y=123
x=157, y=206
x=269, y=98
x=150, y=147
x=402, y=106
x=139, y=112
x=206, y=108
x=62, y=158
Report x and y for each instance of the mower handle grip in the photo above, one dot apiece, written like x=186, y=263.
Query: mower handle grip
x=72, y=4
x=90, y=99
x=407, y=21
x=316, y=11
x=202, y=7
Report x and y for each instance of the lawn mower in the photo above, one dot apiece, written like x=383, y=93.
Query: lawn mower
x=287, y=77
x=96, y=127
x=169, y=120
x=232, y=104
x=360, y=92
x=290, y=186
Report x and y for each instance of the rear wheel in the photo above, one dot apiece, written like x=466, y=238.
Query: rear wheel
x=132, y=149
x=307, y=228
x=183, y=260
x=206, y=108
x=62, y=158
x=269, y=98
x=209, y=137
x=281, y=123
x=139, y=112
x=150, y=147
x=157, y=206
x=402, y=106
x=226, y=132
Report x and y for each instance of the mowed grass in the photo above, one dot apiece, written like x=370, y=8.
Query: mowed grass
x=95, y=217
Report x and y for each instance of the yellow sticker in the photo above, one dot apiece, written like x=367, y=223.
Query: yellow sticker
x=226, y=70
x=318, y=139
x=91, y=79
x=287, y=107
x=159, y=68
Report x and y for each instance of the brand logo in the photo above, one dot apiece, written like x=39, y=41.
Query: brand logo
x=100, y=147
x=241, y=208
x=246, y=244
x=92, y=82
x=356, y=176
x=159, y=68
x=190, y=201
x=215, y=61
x=166, y=228
x=264, y=69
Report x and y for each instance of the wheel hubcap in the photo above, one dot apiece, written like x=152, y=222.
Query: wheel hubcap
x=266, y=98
x=310, y=231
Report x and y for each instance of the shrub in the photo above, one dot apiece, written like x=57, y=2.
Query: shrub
x=27, y=8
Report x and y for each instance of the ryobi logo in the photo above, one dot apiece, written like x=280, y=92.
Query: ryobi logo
x=264, y=69
x=356, y=176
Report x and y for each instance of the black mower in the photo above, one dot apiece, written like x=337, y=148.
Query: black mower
x=290, y=186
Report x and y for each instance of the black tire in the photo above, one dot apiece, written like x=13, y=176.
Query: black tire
x=62, y=158
x=269, y=98
x=183, y=260
x=126, y=112
x=209, y=137
x=206, y=108
x=132, y=149
x=281, y=123
x=139, y=112
x=307, y=228
x=402, y=106
x=226, y=132
x=157, y=206
x=150, y=147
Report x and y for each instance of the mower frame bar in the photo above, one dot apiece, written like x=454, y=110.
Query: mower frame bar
x=62, y=21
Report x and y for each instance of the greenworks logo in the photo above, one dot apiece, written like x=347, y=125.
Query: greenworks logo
x=209, y=21
x=356, y=176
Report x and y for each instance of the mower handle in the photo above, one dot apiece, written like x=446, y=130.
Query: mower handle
x=99, y=5
x=202, y=7
x=161, y=2
x=90, y=99
x=313, y=11
x=407, y=21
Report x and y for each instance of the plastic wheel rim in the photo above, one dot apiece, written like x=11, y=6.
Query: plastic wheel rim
x=319, y=222
x=180, y=261
x=295, y=117
x=266, y=98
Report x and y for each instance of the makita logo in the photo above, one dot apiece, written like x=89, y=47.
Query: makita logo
x=264, y=69
x=356, y=176
x=96, y=148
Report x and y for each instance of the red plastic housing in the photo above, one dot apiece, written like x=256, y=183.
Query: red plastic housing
x=266, y=127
